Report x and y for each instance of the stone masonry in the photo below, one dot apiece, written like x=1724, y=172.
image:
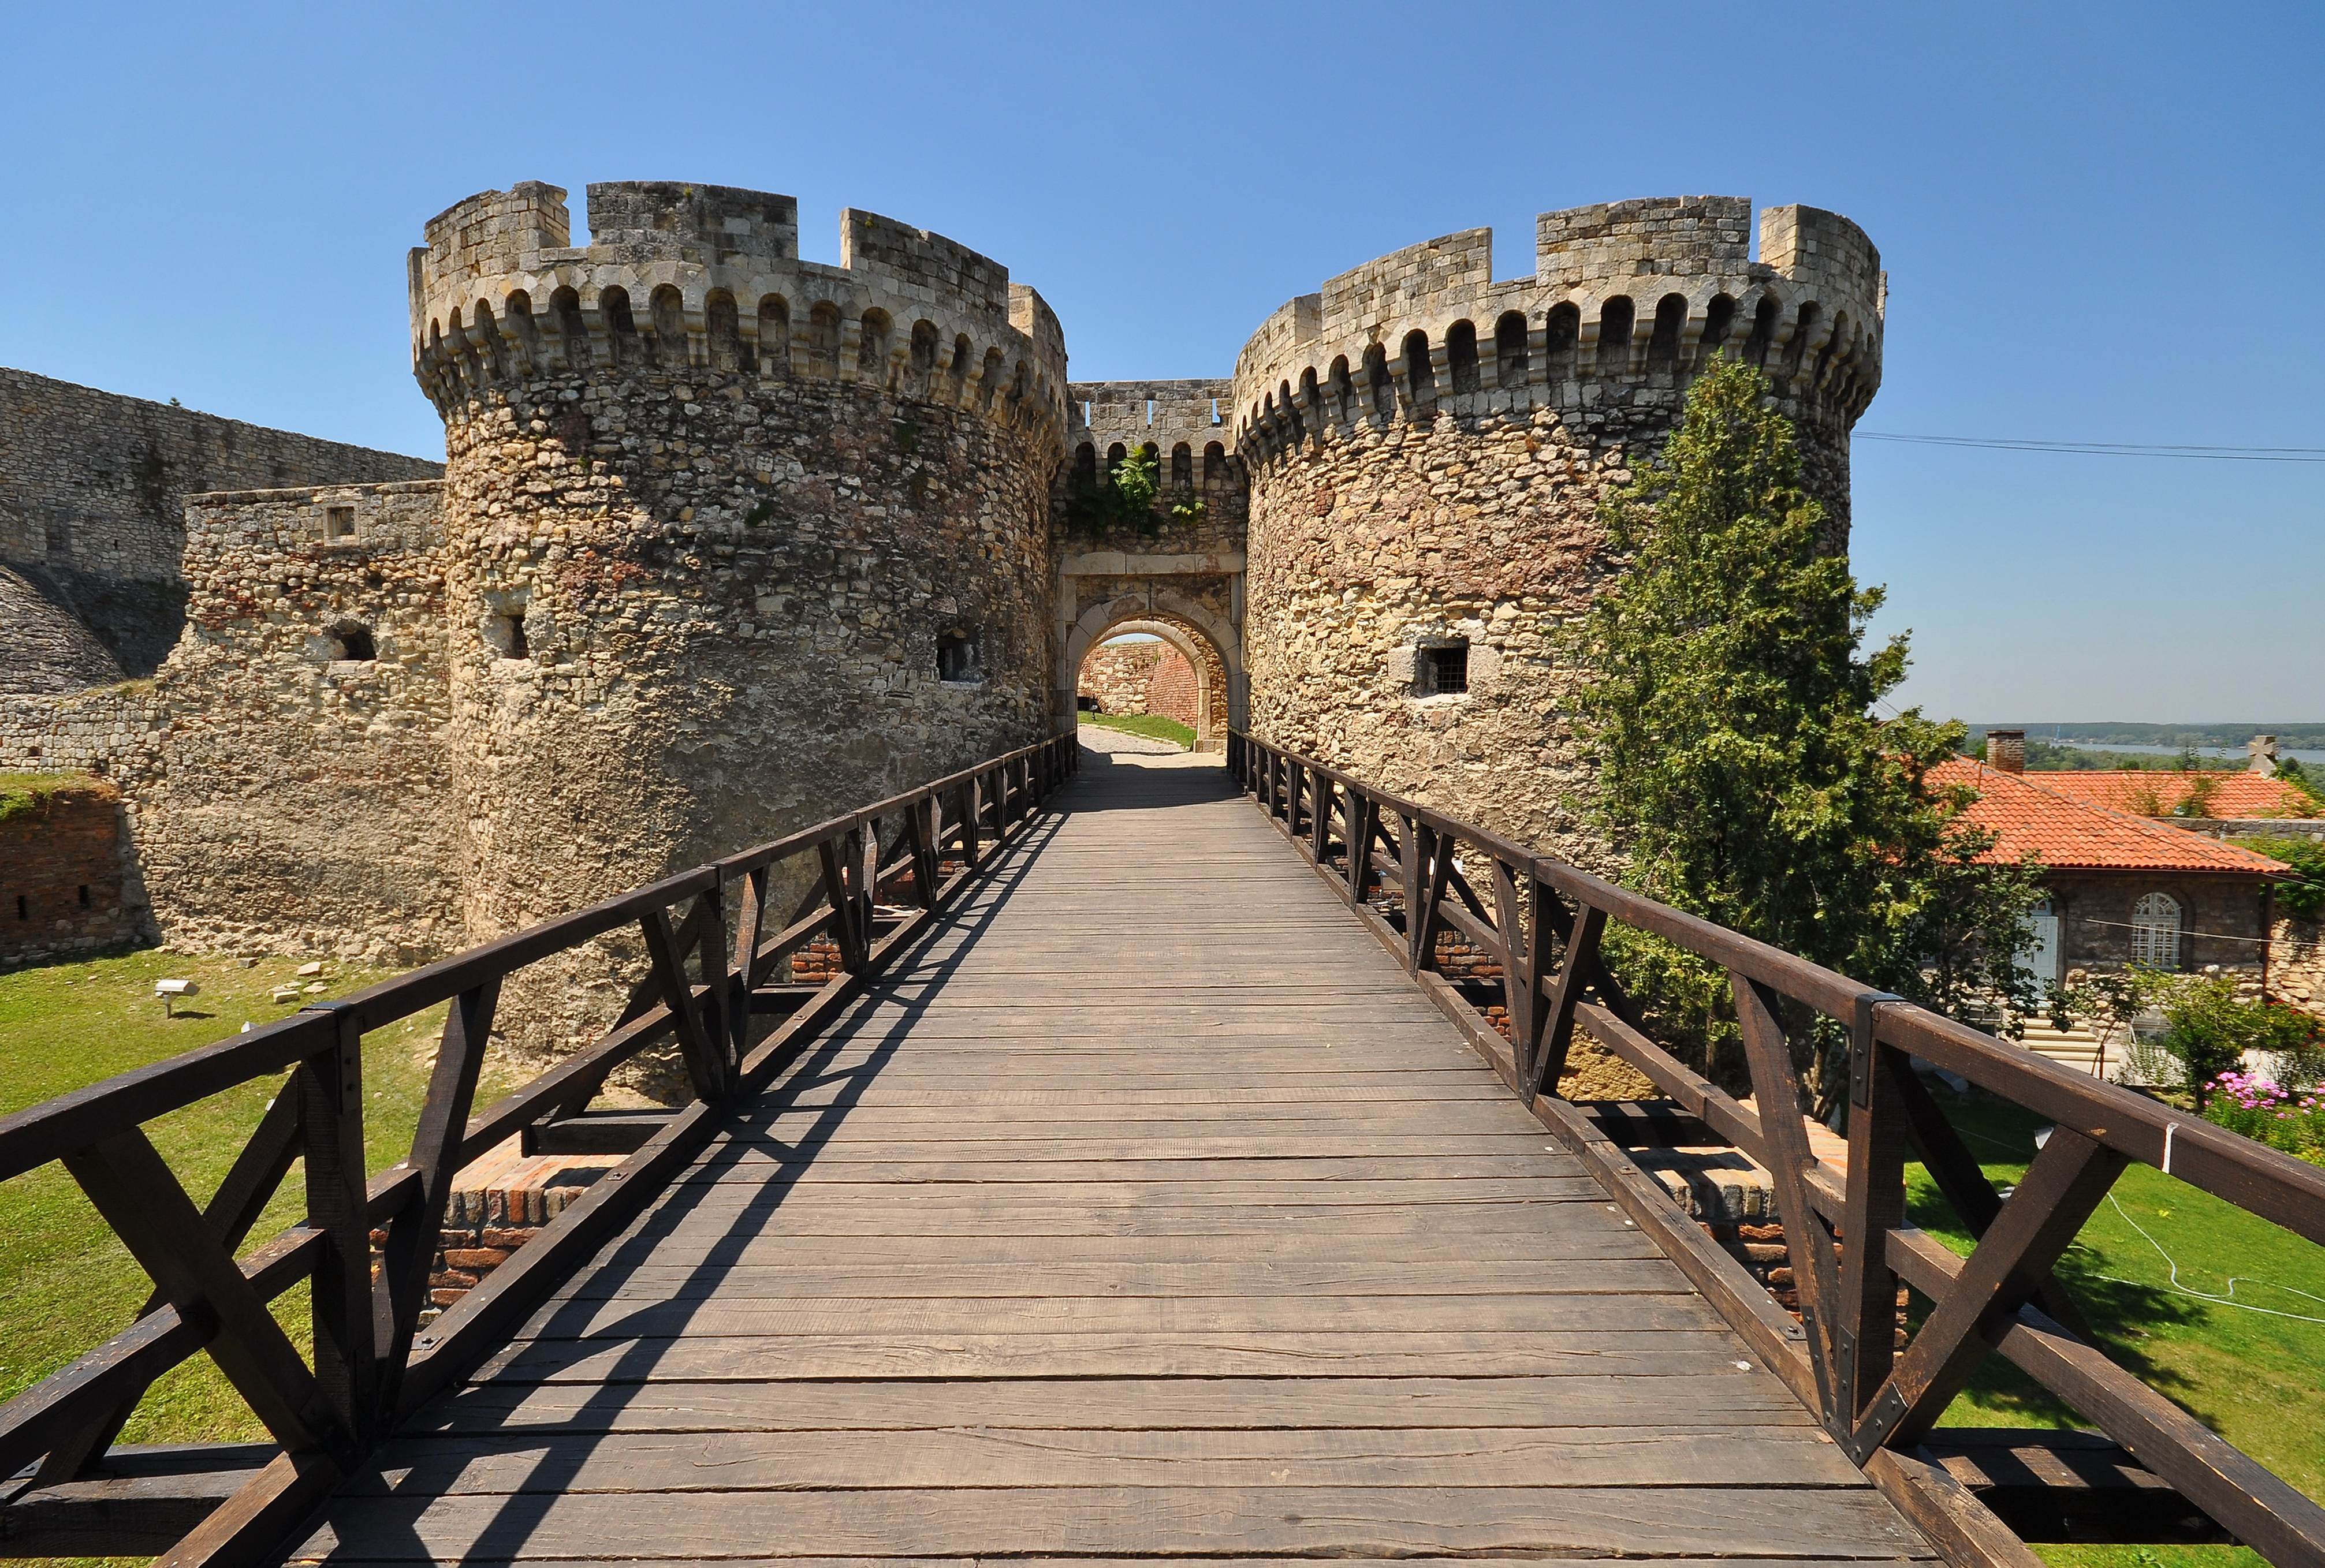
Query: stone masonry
x=1142, y=678
x=91, y=535
x=737, y=541
x=728, y=541
x=1428, y=450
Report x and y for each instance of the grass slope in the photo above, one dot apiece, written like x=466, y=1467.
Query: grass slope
x=2216, y=1309
x=67, y=1283
x=1154, y=726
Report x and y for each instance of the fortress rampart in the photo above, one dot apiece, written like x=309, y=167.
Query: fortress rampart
x=735, y=539
x=706, y=278
x=1180, y=577
x=284, y=772
x=92, y=490
x=726, y=540
x=1428, y=450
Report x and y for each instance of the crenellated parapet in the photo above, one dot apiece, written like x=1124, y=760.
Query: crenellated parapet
x=691, y=279
x=1189, y=425
x=1627, y=300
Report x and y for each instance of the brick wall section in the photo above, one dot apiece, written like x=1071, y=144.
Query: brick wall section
x=91, y=489
x=1173, y=693
x=1120, y=676
x=61, y=884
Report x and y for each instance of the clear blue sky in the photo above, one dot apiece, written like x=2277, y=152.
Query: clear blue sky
x=2101, y=223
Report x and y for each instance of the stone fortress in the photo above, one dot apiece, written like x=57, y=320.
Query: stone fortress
x=725, y=541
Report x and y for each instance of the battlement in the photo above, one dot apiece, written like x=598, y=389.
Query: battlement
x=701, y=280
x=1189, y=423
x=1658, y=235
x=1626, y=297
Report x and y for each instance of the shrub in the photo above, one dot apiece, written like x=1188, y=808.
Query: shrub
x=2302, y=894
x=2269, y=1113
x=2208, y=1031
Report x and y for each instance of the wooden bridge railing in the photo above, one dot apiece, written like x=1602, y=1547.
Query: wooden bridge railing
x=1543, y=920
x=716, y=990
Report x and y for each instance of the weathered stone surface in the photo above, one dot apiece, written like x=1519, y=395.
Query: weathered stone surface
x=1428, y=450
x=91, y=488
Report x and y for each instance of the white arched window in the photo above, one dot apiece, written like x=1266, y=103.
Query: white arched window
x=2155, y=931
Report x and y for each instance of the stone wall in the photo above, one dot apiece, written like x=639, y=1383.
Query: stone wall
x=1428, y=450
x=737, y=540
x=2219, y=918
x=1117, y=676
x=1143, y=677
x=92, y=485
x=63, y=887
x=2296, y=963
x=285, y=768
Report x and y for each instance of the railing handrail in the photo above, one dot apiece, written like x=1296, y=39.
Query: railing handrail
x=2003, y=1298
x=40, y=1134
x=2203, y=1154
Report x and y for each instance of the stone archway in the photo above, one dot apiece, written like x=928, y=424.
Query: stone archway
x=1213, y=649
x=1211, y=674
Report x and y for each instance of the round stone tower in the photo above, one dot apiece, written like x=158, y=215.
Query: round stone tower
x=737, y=541
x=1427, y=450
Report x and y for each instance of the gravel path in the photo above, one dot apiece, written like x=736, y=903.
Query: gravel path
x=1098, y=738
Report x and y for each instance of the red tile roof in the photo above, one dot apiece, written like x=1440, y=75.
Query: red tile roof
x=2030, y=817
x=2232, y=794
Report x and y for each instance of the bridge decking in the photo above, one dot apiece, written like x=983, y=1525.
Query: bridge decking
x=1150, y=1210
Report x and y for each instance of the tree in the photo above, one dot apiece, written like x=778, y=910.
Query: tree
x=1741, y=764
x=1122, y=497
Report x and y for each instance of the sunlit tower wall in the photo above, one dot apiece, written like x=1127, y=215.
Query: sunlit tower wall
x=1428, y=448
x=735, y=540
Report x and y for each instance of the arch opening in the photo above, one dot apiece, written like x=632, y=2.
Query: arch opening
x=1159, y=664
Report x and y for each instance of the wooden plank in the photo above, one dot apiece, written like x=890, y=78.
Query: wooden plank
x=963, y=1456
x=767, y=1279
x=649, y=1357
x=1127, y=1404
x=1323, y=1521
x=721, y=1315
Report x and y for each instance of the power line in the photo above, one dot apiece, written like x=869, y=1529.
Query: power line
x=2110, y=449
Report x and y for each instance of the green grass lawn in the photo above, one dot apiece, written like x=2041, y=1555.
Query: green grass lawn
x=2235, y=1336
x=1154, y=726
x=68, y=1284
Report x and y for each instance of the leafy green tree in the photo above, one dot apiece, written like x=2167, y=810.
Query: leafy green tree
x=1122, y=497
x=1740, y=762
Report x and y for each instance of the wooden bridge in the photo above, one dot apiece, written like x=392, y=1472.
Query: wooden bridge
x=1136, y=1191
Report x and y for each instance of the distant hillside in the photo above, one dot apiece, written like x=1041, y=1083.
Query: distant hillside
x=2293, y=737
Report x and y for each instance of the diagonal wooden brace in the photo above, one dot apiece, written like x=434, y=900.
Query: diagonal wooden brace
x=134, y=1189
x=705, y=1062
x=2038, y=1222
x=1550, y=1045
x=1962, y=1182
x=1816, y=1273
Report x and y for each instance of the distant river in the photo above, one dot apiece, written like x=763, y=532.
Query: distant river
x=2237, y=752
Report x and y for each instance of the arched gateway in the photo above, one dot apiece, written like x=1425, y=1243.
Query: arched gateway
x=1180, y=578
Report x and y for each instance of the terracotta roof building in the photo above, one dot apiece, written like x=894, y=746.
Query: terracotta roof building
x=2124, y=889
x=2159, y=794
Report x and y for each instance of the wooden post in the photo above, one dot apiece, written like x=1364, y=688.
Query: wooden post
x=347, y=1330
x=1865, y=1327
x=413, y=1235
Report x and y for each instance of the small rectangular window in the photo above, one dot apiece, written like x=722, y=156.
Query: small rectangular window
x=56, y=539
x=1444, y=671
x=84, y=896
x=338, y=522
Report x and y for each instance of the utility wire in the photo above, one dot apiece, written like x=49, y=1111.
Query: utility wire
x=2110, y=449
